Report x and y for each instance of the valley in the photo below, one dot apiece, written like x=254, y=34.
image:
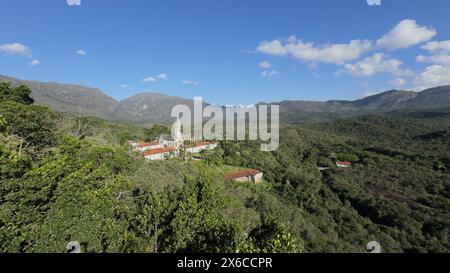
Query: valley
x=65, y=177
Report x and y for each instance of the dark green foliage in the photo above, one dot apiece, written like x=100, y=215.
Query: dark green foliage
x=3, y=124
x=155, y=131
x=185, y=220
x=397, y=186
x=20, y=94
x=64, y=178
x=59, y=183
x=33, y=125
x=272, y=237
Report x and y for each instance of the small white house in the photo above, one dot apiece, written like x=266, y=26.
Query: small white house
x=254, y=176
x=343, y=164
x=200, y=146
x=160, y=154
x=145, y=146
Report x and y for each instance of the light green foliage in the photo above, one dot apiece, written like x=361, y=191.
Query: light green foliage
x=69, y=196
x=3, y=124
x=272, y=237
x=185, y=220
x=65, y=178
x=33, y=125
x=193, y=219
x=213, y=157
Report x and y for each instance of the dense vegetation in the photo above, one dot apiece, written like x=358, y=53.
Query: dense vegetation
x=64, y=178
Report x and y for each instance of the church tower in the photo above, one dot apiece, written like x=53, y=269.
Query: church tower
x=176, y=132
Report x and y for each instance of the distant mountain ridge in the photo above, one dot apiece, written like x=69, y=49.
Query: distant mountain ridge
x=148, y=107
x=393, y=100
x=69, y=98
x=75, y=99
x=152, y=107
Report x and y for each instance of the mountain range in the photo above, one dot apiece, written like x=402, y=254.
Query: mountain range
x=386, y=102
x=76, y=99
x=152, y=107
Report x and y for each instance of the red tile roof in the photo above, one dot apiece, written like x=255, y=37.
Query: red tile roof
x=243, y=173
x=158, y=151
x=344, y=163
x=146, y=144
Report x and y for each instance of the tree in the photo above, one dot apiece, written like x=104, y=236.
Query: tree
x=214, y=157
x=155, y=211
x=34, y=125
x=271, y=237
x=20, y=94
x=185, y=220
x=155, y=131
x=2, y=124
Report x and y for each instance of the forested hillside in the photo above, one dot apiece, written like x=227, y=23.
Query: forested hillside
x=64, y=178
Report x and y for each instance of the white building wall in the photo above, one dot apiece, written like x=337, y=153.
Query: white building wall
x=201, y=148
x=257, y=178
x=161, y=156
x=152, y=147
x=171, y=144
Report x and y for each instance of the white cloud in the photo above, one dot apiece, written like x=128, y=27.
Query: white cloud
x=19, y=49
x=150, y=79
x=124, y=86
x=265, y=65
x=328, y=53
x=160, y=77
x=15, y=49
x=432, y=76
x=190, y=82
x=81, y=52
x=441, y=58
x=73, y=2
x=34, y=62
x=375, y=64
x=269, y=73
x=439, y=53
x=398, y=82
x=437, y=46
x=407, y=33
x=274, y=47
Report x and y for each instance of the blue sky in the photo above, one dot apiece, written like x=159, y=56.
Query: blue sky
x=229, y=52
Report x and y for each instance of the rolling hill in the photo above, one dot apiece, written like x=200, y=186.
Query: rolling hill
x=149, y=107
x=69, y=98
x=386, y=102
x=152, y=107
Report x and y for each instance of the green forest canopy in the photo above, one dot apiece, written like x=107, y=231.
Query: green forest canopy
x=64, y=178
